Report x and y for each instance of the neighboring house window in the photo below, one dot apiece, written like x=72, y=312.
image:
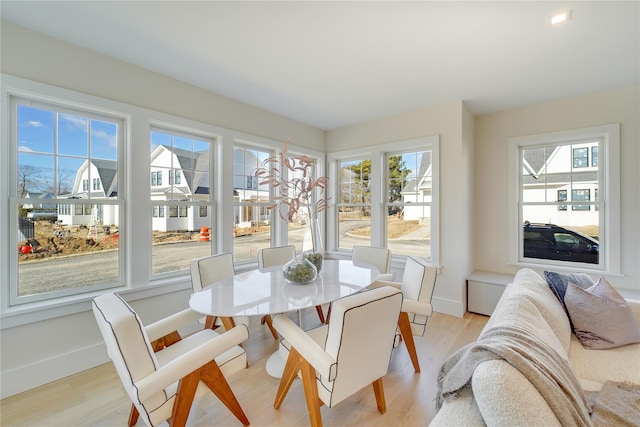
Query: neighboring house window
x=594, y=156
x=387, y=197
x=78, y=209
x=203, y=211
x=562, y=197
x=581, y=157
x=580, y=195
x=174, y=177
x=177, y=154
x=96, y=183
x=55, y=146
x=543, y=231
x=251, y=202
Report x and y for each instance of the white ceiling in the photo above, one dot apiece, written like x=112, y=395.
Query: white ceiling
x=332, y=64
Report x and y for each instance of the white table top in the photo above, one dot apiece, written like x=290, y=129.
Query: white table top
x=256, y=293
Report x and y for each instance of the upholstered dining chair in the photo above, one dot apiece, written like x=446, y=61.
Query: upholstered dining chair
x=418, y=282
x=271, y=257
x=162, y=385
x=210, y=269
x=338, y=359
x=379, y=257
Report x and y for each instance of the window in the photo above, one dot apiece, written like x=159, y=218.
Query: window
x=581, y=195
x=96, y=183
x=408, y=192
x=580, y=157
x=387, y=197
x=59, y=150
x=562, y=197
x=177, y=154
x=252, y=227
x=354, y=203
x=547, y=170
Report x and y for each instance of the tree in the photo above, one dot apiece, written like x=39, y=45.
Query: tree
x=28, y=179
x=397, y=178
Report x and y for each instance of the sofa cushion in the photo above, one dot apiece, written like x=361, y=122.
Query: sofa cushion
x=506, y=398
x=558, y=283
x=601, y=317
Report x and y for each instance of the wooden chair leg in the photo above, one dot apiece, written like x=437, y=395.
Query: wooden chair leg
x=290, y=372
x=133, y=416
x=320, y=313
x=405, y=331
x=210, y=322
x=328, y=314
x=379, y=392
x=310, y=385
x=184, y=399
x=212, y=376
x=267, y=320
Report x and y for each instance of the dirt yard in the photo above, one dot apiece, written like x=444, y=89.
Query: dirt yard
x=54, y=240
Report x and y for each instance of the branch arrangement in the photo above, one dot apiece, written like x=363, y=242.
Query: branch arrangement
x=294, y=181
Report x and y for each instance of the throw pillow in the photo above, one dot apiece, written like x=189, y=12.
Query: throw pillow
x=601, y=317
x=558, y=283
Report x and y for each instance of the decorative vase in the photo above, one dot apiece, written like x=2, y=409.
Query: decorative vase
x=312, y=248
x=300, y=271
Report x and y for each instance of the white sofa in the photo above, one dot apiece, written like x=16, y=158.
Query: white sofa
x=499, y=395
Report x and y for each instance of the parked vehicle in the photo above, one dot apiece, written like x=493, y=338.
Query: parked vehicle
x=45, y=215
x=549, y=241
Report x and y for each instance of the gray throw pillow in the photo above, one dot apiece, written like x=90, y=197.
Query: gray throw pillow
x=558, y=283
x=601, y=317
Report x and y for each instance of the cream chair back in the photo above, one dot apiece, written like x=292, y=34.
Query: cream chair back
x=360, y=338
x=418, y=283
x=210, y=269
x=270, y=257
x=379, y=257
x=129, y=348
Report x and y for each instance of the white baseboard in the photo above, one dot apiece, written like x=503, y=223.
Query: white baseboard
x=448, y=306
x=45, y=371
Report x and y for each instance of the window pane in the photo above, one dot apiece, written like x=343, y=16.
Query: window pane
x=73, y=135
x=409, y=231
x=354, y=226
x=549, y=177
x=64, y=250
x=252, y=227
x=183, y=233
x=36, y=130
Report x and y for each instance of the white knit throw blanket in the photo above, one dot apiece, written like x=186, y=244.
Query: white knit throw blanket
x=547, y=371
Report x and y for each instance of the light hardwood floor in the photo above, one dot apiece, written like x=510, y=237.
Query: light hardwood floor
x=96, y=398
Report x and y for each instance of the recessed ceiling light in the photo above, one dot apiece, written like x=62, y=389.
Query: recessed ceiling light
x=559, y=17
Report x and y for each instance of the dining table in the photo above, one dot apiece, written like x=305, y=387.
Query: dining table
x=259, y=292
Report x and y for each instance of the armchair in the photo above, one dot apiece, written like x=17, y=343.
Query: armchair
x=163, y=385
x=418, y=282
x=210, y=269
x=338, y=359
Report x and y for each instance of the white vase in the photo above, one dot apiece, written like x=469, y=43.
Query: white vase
x=300, y=271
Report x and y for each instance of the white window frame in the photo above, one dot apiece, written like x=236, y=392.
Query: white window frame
x=377, y=154
x=609, y=197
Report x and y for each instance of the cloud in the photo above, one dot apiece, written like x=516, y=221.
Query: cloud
x=76, y=122
x=35, y=123
x=24, y=148
x=112, y=141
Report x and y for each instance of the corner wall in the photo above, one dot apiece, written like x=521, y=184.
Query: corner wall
x=491, y=178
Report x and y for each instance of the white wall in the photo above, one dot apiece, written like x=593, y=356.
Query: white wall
x=454, y=124
x=61, y=344
x=491, y=178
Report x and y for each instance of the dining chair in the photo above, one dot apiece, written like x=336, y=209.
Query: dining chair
x=338, y=359
x=418, y=283
x=208, y=270
x=379, y=257
x=163, y=385
x=271, y=257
